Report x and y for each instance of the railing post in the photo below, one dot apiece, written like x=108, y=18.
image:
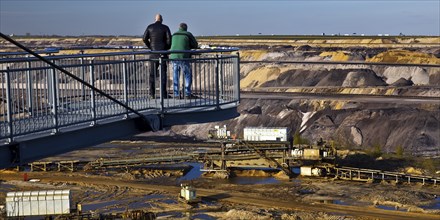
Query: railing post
x=83, y=77
x=237, y=60
x=134, y=74
x=124, y=72
x=161, y=89
x=9, y=105
x=217, y=86
x=54, y=98
x=92, y=93
x=29, y=88
x=221, y=76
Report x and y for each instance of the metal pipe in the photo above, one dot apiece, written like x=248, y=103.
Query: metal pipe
x=83, y=77
x=237, y=70
x=9, y=106
x=161, y=89
x=29, y=88
x=92, y=93
x=124, y=79
x=217, y=86
x=134, y=74
x=54, y=100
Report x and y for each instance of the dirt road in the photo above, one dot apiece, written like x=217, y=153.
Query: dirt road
x=231, y=197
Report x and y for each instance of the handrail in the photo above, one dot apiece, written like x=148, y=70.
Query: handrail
x=140, y=52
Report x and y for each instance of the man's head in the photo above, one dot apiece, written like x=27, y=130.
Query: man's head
x=159, y=18
x=183, y=26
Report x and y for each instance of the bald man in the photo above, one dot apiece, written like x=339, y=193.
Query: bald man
x=157, y=36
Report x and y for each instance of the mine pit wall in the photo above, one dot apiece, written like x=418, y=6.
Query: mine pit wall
x=273, y=75
x=350, y=125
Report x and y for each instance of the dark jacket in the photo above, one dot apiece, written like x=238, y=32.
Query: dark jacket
x=182, y=40
x=157, y=36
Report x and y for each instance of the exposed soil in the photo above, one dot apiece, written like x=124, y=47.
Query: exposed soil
x=351, y=125
x=298, y=198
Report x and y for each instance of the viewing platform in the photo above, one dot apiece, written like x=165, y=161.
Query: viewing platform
x=65, y=102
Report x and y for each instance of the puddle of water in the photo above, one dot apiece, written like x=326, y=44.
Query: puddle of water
x=194, y=173
x=434, y=205
x=169, y=215
x=169, y=201
x=296, y=170
x=142, y=202
x=95, y=206
x=203, y=217
x=306, y=191
x=132, y=203
x=245, y=180
x=349, y=202
x=387, y=207
x=259, y=168
x=115, y=210
x=6, y=187
x=340, y=202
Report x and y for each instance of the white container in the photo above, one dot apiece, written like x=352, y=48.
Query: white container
x=266, y=134
x=188, y=193
x=297, y=153
x=311, y=171
x=222, y=133
x=306, y=171
x=317, y=172
x=38, y=203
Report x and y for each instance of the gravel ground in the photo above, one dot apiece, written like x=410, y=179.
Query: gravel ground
x=99, y=198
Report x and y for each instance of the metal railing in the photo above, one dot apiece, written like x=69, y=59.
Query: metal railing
x=38, y=98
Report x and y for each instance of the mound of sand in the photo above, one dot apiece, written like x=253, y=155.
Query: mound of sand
x=362, y=78
x=412, y=170
x=281, y=175
x=243, y=214
x=259, y=76
x=404, y=56
x=256, y=173
x=418, y=75
x=252, y=55
x=335, y=55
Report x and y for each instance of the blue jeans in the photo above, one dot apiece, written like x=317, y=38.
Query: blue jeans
x=187, y=74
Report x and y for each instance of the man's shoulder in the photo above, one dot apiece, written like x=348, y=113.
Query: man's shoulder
x=158, y=25
x=185, y=33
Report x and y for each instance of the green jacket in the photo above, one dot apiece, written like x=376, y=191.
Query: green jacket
x=182, y=40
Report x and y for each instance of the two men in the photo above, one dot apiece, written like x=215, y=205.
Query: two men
x=157, y=36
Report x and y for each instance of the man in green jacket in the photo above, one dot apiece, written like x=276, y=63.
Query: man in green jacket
x=182, y=40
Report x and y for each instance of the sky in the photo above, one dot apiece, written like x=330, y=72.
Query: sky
x=226, y=17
